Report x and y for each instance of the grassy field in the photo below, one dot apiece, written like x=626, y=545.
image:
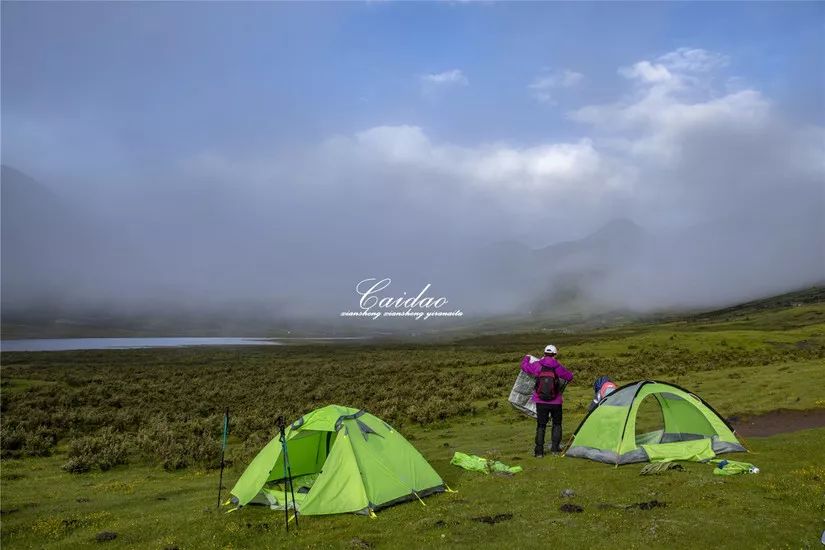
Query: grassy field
x=143, y=427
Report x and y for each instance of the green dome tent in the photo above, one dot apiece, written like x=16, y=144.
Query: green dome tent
x=690, y=428
x=342, y=460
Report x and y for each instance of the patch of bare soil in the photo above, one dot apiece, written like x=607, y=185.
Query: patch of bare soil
x=492, y=520
x=778, y=422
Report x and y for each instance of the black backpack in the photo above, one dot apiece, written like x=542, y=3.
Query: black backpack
x=547, y=384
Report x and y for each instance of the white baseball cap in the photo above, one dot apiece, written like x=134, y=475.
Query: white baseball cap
x=550, y=348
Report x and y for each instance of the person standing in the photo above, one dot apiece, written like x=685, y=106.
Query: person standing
x=551, y=377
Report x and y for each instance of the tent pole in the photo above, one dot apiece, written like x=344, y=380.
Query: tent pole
x=740, y=437
x=223, y=451
x=567, y=446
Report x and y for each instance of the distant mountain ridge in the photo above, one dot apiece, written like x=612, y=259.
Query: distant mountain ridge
x=618, y=232
x=812, y=295
x=40, y=235
x=559, y=277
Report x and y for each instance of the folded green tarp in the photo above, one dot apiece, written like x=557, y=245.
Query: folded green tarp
x=479, y=464
x=732, y=468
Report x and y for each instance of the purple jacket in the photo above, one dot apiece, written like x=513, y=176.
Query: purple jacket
x=533, y=370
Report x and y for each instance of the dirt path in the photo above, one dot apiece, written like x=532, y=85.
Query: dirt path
x=778, y=422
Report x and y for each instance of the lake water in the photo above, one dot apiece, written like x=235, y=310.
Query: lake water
x=63, y=344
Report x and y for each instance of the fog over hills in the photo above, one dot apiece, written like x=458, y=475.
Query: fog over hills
x=61, y=261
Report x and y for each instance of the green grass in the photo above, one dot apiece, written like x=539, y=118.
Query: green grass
x=782, y=506
x=166, y=404
x=21, y=385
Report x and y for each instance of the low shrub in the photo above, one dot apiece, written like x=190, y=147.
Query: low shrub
x=39, y=443
x=103, y=450
x=180, y=445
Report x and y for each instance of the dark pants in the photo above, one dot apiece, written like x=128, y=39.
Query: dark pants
x=544, y=413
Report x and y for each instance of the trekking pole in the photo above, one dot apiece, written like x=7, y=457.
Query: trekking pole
x=282, y=437
x=223, y=451
x=287, y=474
x=291, y=485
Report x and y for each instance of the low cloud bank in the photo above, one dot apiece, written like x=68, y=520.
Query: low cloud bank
x=725, y=195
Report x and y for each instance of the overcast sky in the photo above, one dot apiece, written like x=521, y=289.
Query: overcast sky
x=317, y=142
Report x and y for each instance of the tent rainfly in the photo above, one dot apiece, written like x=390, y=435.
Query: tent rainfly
x=690, y=428
x=342, y=460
